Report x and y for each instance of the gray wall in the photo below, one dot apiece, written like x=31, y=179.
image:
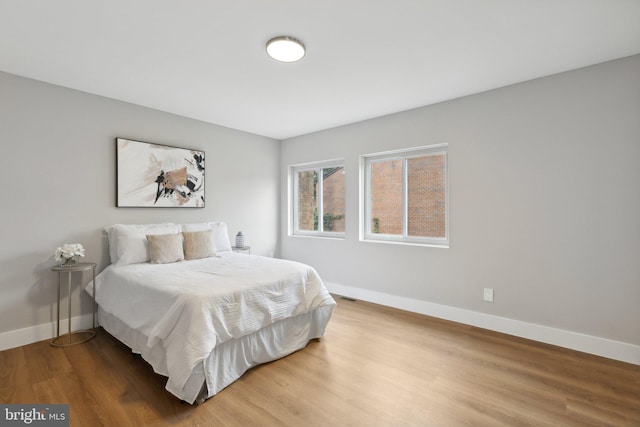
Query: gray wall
x=58, y=174
x=545, y=203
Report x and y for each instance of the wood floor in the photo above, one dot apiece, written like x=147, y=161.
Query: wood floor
x=376, y=367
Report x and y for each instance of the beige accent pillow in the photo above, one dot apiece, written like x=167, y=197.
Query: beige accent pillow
x=198, y=244
x=165, y=248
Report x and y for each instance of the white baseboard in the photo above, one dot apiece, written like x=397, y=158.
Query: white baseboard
x=586, y=343
x=45, y=331
x=576, y=341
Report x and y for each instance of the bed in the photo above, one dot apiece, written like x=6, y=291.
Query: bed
x=201, y=314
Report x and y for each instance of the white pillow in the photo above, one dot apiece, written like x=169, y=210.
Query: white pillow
x=220, y=236
x=221, y=241
x=198, y=226
x=113, y=244
x=131, y=240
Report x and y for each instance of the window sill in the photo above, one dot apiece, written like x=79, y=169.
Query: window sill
x=444, y=245
x=332, y=236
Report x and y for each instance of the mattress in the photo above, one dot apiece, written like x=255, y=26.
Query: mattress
x=203, y=323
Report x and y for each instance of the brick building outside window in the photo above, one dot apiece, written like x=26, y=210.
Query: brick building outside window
x=405, y=196
x=319, y=199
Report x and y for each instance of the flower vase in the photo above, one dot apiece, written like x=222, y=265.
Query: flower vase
x=69, y=262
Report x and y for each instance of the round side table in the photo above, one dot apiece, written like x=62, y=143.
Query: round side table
x=241, y=249
x=66, y=340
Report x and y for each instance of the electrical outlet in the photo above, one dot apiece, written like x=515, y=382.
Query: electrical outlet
x=488, y=294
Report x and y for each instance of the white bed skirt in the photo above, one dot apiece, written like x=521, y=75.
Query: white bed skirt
x=228, y=361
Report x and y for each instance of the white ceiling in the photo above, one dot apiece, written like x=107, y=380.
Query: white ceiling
x=206, y=59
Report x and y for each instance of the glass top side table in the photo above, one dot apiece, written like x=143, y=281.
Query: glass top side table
x=241, y=249
x=77, y=337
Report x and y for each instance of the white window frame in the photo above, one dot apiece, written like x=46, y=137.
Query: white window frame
x=293, y=199
x=365, y=196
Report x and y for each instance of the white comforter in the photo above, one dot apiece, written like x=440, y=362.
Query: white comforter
x=193, y=306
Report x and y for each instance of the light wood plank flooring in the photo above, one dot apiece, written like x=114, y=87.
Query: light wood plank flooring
x=376, y=366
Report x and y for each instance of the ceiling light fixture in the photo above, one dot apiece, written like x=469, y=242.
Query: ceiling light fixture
x=285, y=49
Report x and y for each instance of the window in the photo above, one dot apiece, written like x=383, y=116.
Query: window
x=317, y=199
x=405, y=196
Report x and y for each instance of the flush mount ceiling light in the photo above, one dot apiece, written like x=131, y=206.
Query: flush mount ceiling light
x=285, y=49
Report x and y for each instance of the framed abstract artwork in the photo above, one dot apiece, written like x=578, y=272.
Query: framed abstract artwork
x=154, y=175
